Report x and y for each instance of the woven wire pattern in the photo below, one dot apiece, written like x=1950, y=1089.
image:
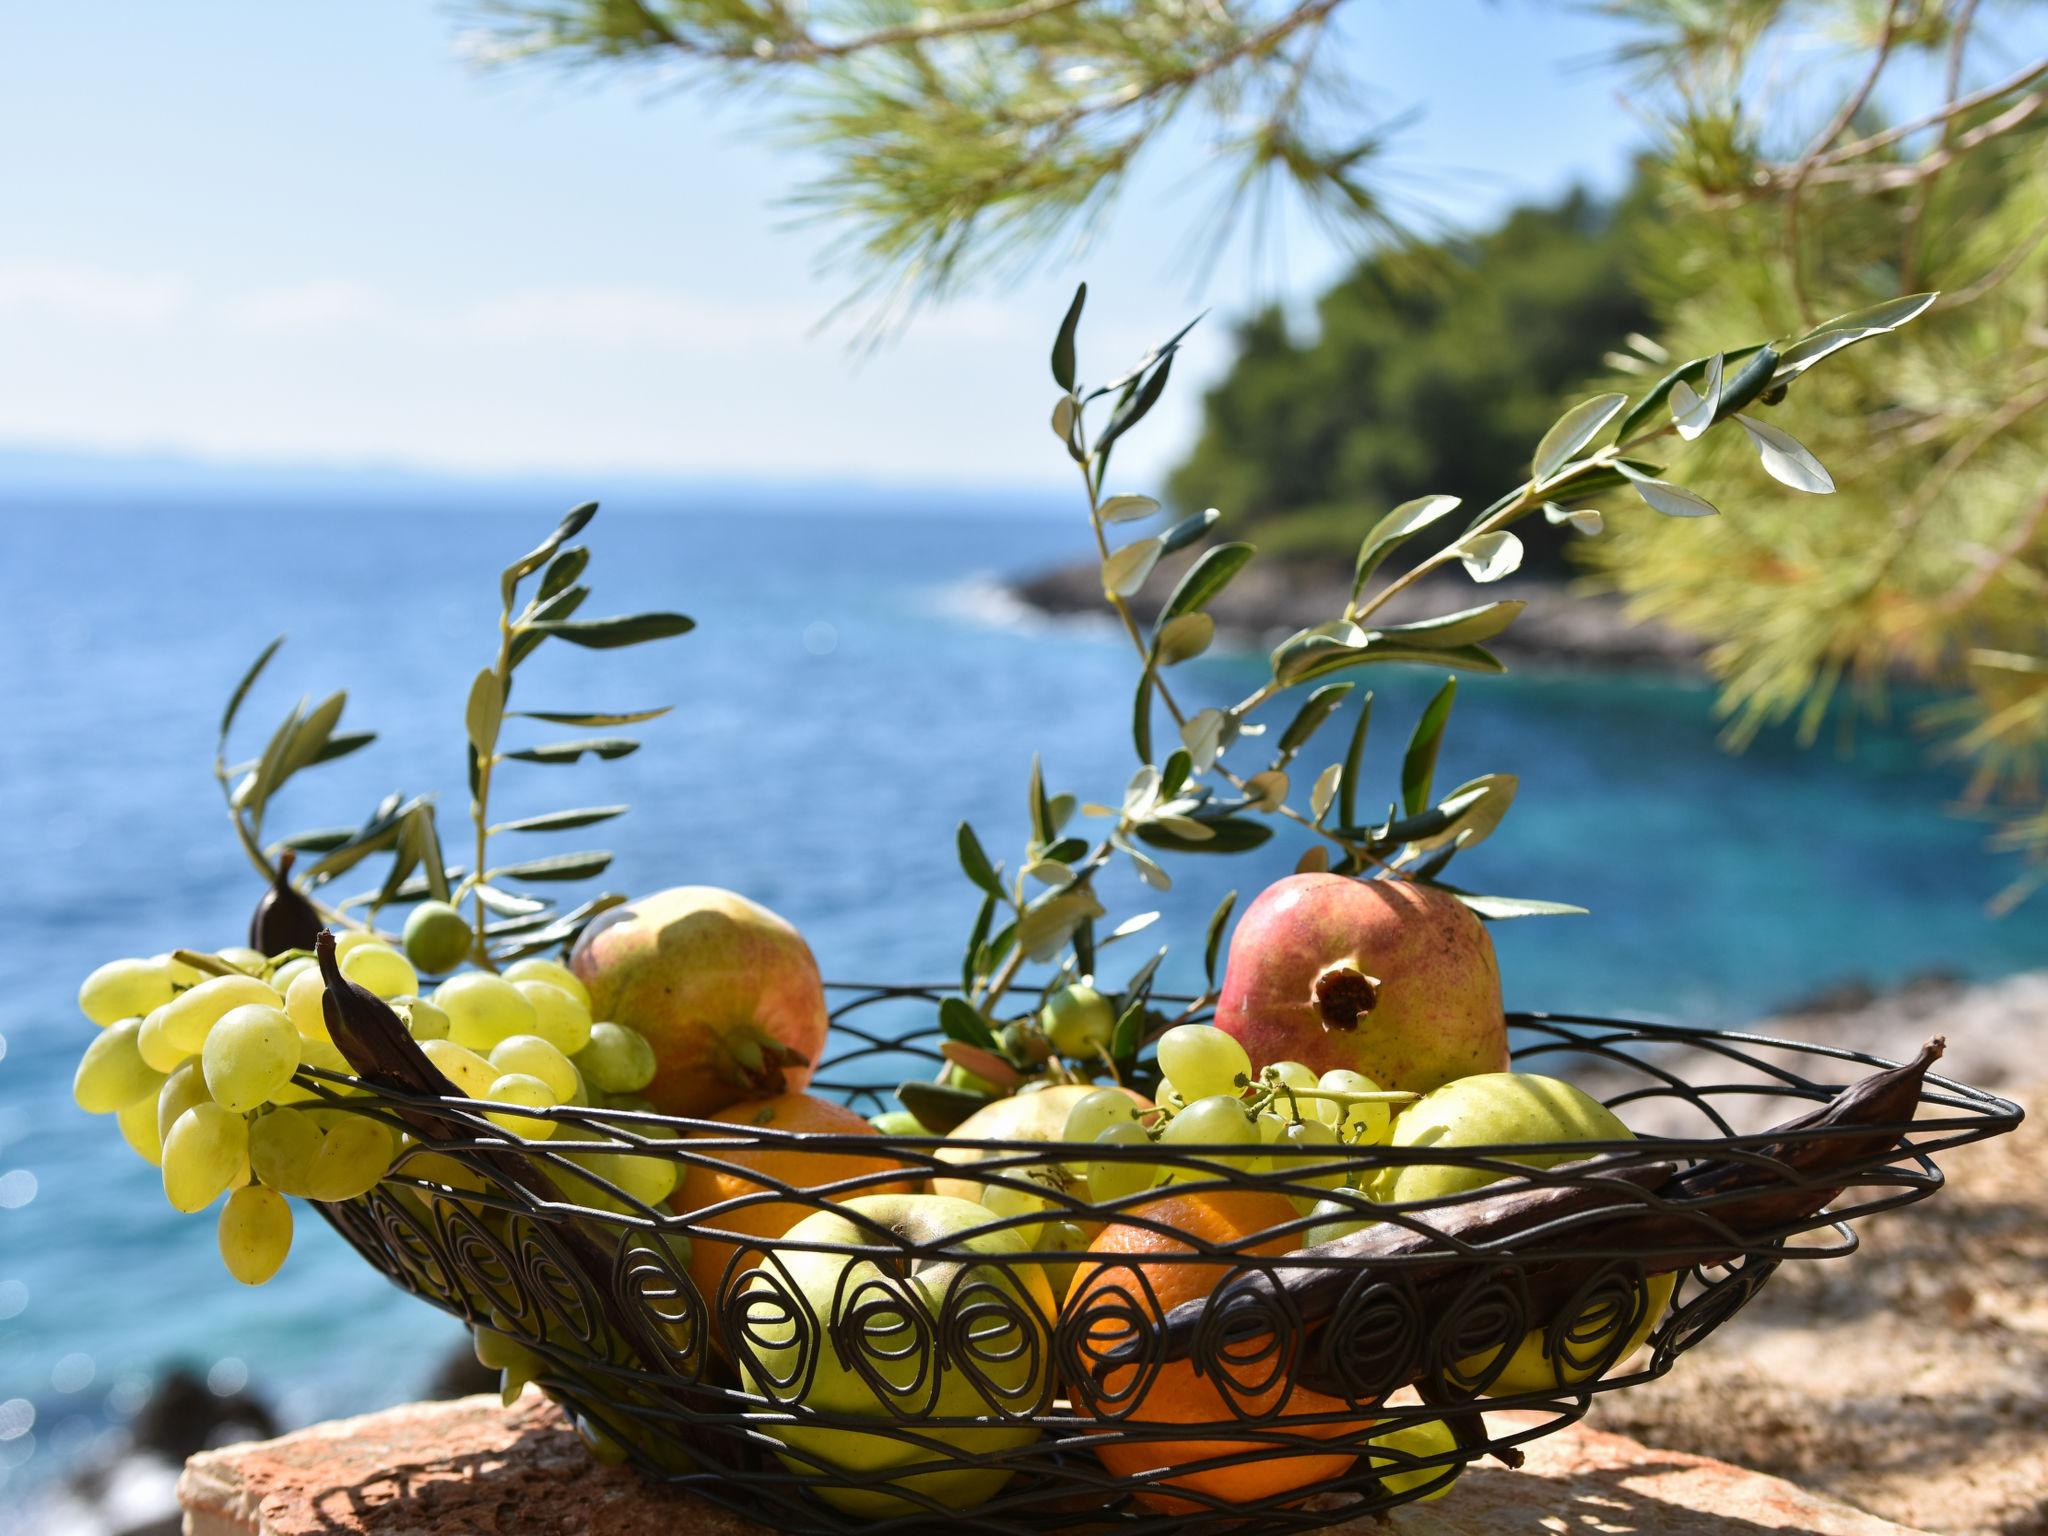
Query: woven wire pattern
x=878, y=1380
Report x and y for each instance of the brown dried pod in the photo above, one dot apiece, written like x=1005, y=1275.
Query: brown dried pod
x=284, y=919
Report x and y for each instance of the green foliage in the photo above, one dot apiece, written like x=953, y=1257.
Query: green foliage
x=1199, y=799
x=1440, y=376
x=526, y=922
x=1932, y=561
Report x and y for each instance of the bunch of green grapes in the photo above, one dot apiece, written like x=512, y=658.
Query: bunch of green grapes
x=1209, y=1097
x=198, y=1060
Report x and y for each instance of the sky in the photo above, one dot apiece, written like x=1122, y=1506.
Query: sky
x=317, y=235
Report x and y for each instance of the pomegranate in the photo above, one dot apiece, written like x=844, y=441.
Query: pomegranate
x=1386, y=977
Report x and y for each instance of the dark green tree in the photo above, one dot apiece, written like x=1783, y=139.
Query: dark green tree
x=1438, y=373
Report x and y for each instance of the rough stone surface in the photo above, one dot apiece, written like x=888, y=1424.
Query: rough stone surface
x=470, y=1468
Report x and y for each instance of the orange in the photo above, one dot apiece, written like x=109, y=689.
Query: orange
x=1177, y=1395
x=778, y=1163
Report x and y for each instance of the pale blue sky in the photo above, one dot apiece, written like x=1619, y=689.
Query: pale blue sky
x=311, y=233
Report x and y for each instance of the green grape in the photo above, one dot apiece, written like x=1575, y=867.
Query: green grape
x=112, y=1074
x=381, y=969
x=1218, y=1120
x=1093, y=1113
x=469, y=1072
x=643, y=1177
x=1078, y=1020
x=354, y=1154
x=483, y=1009
x=438, y=938
x=282, y=978
x=1363, y=1125
x=1002, y=1200
x=251, y=962
x=1334, y=1219
x=123, y=989
x=1309, y=1172
x=1114, y=1180
x=155, y=1045
x=1427, y=1439
x=205, y=1155
x=516, y=1364
x=423, y=1020
x=182, y=1089
x=898, y=1122
x=325, y=1055
x=554, y=973
x=535, y=1057
x=138, y=1129
x=1201, y=1061
x=344, y=942
x=559, y=1017
x=282, y=1146
x=1290, y=1081
x=528, y=1092
x=255, y=1233
x=180, y=972
x=439, y=1168
x=1063, y=1237
x=250, y=1054
x=617, y=1059
x=303, y=1005
x=189, y=1015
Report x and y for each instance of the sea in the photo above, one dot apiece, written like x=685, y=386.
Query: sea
x=859, y=683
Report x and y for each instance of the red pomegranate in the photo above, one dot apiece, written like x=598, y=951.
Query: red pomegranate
x=1385, y=977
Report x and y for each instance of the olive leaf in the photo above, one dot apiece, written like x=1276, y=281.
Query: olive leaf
x=1188, y=529
x=609, y=634
x=1063, y=343
x=560, y=866
x=1127, y=508
x=1585, y=520
x=1125, y=570
x=1315, y=709
x=1208, y=576
x=1692, y=412
x=1500, y=908
x=1214, y=941
x=1183, y=637
x=1418, y=763
x=1831, y=336
x=1470, y=813
x=1465, y=627
x=1354, y=754
x=485, y=712
x=958, y=1020
x=976, y=863
x=234, y=705
x=1572, y=431
x=606, y=747
x=1671, y=500
x=1324, y=792
x=1490, y=556
x=586, y=718
x=571, y=525
x=1786, y=459
x=1410, y=518
x=560, y=821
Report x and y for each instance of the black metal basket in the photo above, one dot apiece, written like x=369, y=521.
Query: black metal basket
x=876, y=1379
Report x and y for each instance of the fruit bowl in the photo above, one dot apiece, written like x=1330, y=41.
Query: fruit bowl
x=880, y=1370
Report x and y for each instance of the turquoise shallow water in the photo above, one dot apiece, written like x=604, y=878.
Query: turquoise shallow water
x=853, y=692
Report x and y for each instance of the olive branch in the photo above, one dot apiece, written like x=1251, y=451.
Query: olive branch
x=1193, y=802
x=507, y=923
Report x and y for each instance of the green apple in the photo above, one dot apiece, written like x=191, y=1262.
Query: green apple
x=1499, y=1107
x=900, y=1305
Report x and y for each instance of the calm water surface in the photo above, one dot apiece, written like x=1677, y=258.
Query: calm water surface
x=854, y=690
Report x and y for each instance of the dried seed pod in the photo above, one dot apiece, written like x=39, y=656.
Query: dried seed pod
x=284, y=919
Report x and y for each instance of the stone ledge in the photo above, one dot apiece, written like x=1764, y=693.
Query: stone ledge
x=471, y=1467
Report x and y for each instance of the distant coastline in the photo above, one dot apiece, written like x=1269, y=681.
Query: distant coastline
x=1561, y=626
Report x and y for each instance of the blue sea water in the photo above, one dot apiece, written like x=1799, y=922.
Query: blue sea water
x=856, y=688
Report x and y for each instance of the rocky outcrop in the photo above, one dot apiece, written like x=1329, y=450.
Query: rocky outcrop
x=1271, y=598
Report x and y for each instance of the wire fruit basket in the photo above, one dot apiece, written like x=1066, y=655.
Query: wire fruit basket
x=877, y=1371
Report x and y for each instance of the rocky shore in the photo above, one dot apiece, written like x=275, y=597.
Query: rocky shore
x=1271, y=598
